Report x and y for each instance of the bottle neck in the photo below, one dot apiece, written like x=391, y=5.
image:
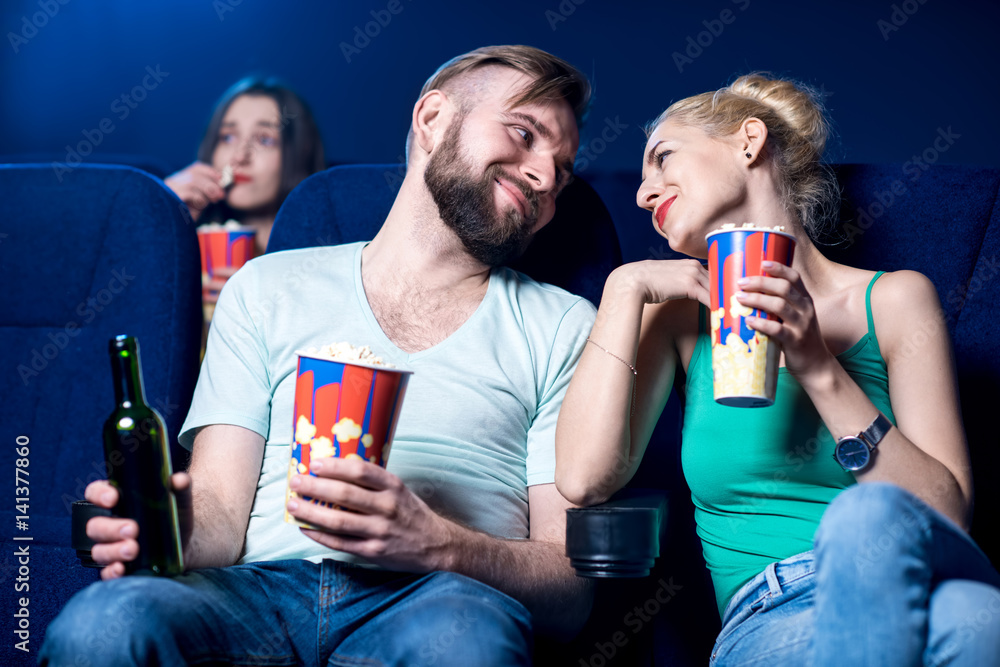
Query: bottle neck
x=127, y=377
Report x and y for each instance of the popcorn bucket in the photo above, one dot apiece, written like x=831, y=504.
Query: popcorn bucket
x=223, y=247
x=344, y=410
x=744, y=361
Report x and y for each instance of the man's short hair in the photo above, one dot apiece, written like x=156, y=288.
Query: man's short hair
x=552, y=78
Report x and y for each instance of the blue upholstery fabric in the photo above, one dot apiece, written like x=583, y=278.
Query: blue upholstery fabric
x=946, y=225
x=576, y=251
x=105, y=252
x=59, y=161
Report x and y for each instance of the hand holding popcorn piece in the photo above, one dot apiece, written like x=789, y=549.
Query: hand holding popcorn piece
x=227, y=177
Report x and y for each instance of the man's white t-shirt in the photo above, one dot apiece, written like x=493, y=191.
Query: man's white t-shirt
x=478, y=422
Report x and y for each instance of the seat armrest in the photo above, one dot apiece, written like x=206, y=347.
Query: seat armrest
x=619, y=538
x=82, y=512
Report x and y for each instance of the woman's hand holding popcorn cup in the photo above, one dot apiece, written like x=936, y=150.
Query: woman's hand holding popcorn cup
x=781, y=293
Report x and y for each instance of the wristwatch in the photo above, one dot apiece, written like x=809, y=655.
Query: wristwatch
x=854, y=452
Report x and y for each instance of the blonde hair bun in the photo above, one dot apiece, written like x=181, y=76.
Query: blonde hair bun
x=798, y=105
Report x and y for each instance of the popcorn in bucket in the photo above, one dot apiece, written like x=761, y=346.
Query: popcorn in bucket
x=347, y=403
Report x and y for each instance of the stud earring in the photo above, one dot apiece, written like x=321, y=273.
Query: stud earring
x=749, y=156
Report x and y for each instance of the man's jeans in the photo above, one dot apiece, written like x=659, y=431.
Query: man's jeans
x=890, y=581
x=290, y=613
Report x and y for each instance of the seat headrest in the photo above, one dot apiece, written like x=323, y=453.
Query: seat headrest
x=344, y=204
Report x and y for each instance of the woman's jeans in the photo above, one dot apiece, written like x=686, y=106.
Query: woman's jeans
x=290, y=613
x=890, y=582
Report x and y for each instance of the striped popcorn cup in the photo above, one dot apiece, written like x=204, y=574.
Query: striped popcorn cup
x=343, y=410
x=744, y=361
x=230, y=247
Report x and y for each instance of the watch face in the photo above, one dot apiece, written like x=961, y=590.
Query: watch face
x=852, y=453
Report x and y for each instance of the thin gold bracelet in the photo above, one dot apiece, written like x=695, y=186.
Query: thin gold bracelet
x=635, y=373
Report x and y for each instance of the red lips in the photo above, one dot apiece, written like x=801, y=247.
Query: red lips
x=661, y=212
x=241, y=178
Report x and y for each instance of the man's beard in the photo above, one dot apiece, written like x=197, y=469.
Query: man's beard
x=468, y=206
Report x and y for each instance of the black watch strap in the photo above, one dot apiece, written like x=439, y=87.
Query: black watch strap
x=876, y=431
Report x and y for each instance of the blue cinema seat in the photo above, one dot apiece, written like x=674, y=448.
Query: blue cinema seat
x=349, y=203
x=103, y=252
x=63, y=162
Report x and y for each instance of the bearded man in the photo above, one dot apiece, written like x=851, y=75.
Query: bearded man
x=476, y=557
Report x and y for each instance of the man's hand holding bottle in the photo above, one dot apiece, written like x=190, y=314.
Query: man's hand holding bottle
x=116, y=539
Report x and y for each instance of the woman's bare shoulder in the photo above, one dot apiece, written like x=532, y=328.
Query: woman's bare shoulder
x=904, y=303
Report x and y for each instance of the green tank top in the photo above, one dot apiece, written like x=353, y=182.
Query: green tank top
x=761, y=478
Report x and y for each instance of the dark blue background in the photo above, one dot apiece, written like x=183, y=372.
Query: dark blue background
x=889, y=94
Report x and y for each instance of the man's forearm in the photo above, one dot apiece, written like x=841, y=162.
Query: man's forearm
x=216, y=540
x=225, y=468
x=534, y=572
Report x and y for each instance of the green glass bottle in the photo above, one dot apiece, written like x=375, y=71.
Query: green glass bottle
x=138, y=460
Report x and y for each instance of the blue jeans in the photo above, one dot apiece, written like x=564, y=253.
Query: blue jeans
x=290, y=613
x=890, y=581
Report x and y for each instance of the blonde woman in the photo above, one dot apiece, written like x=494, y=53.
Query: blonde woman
x=862, y=561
